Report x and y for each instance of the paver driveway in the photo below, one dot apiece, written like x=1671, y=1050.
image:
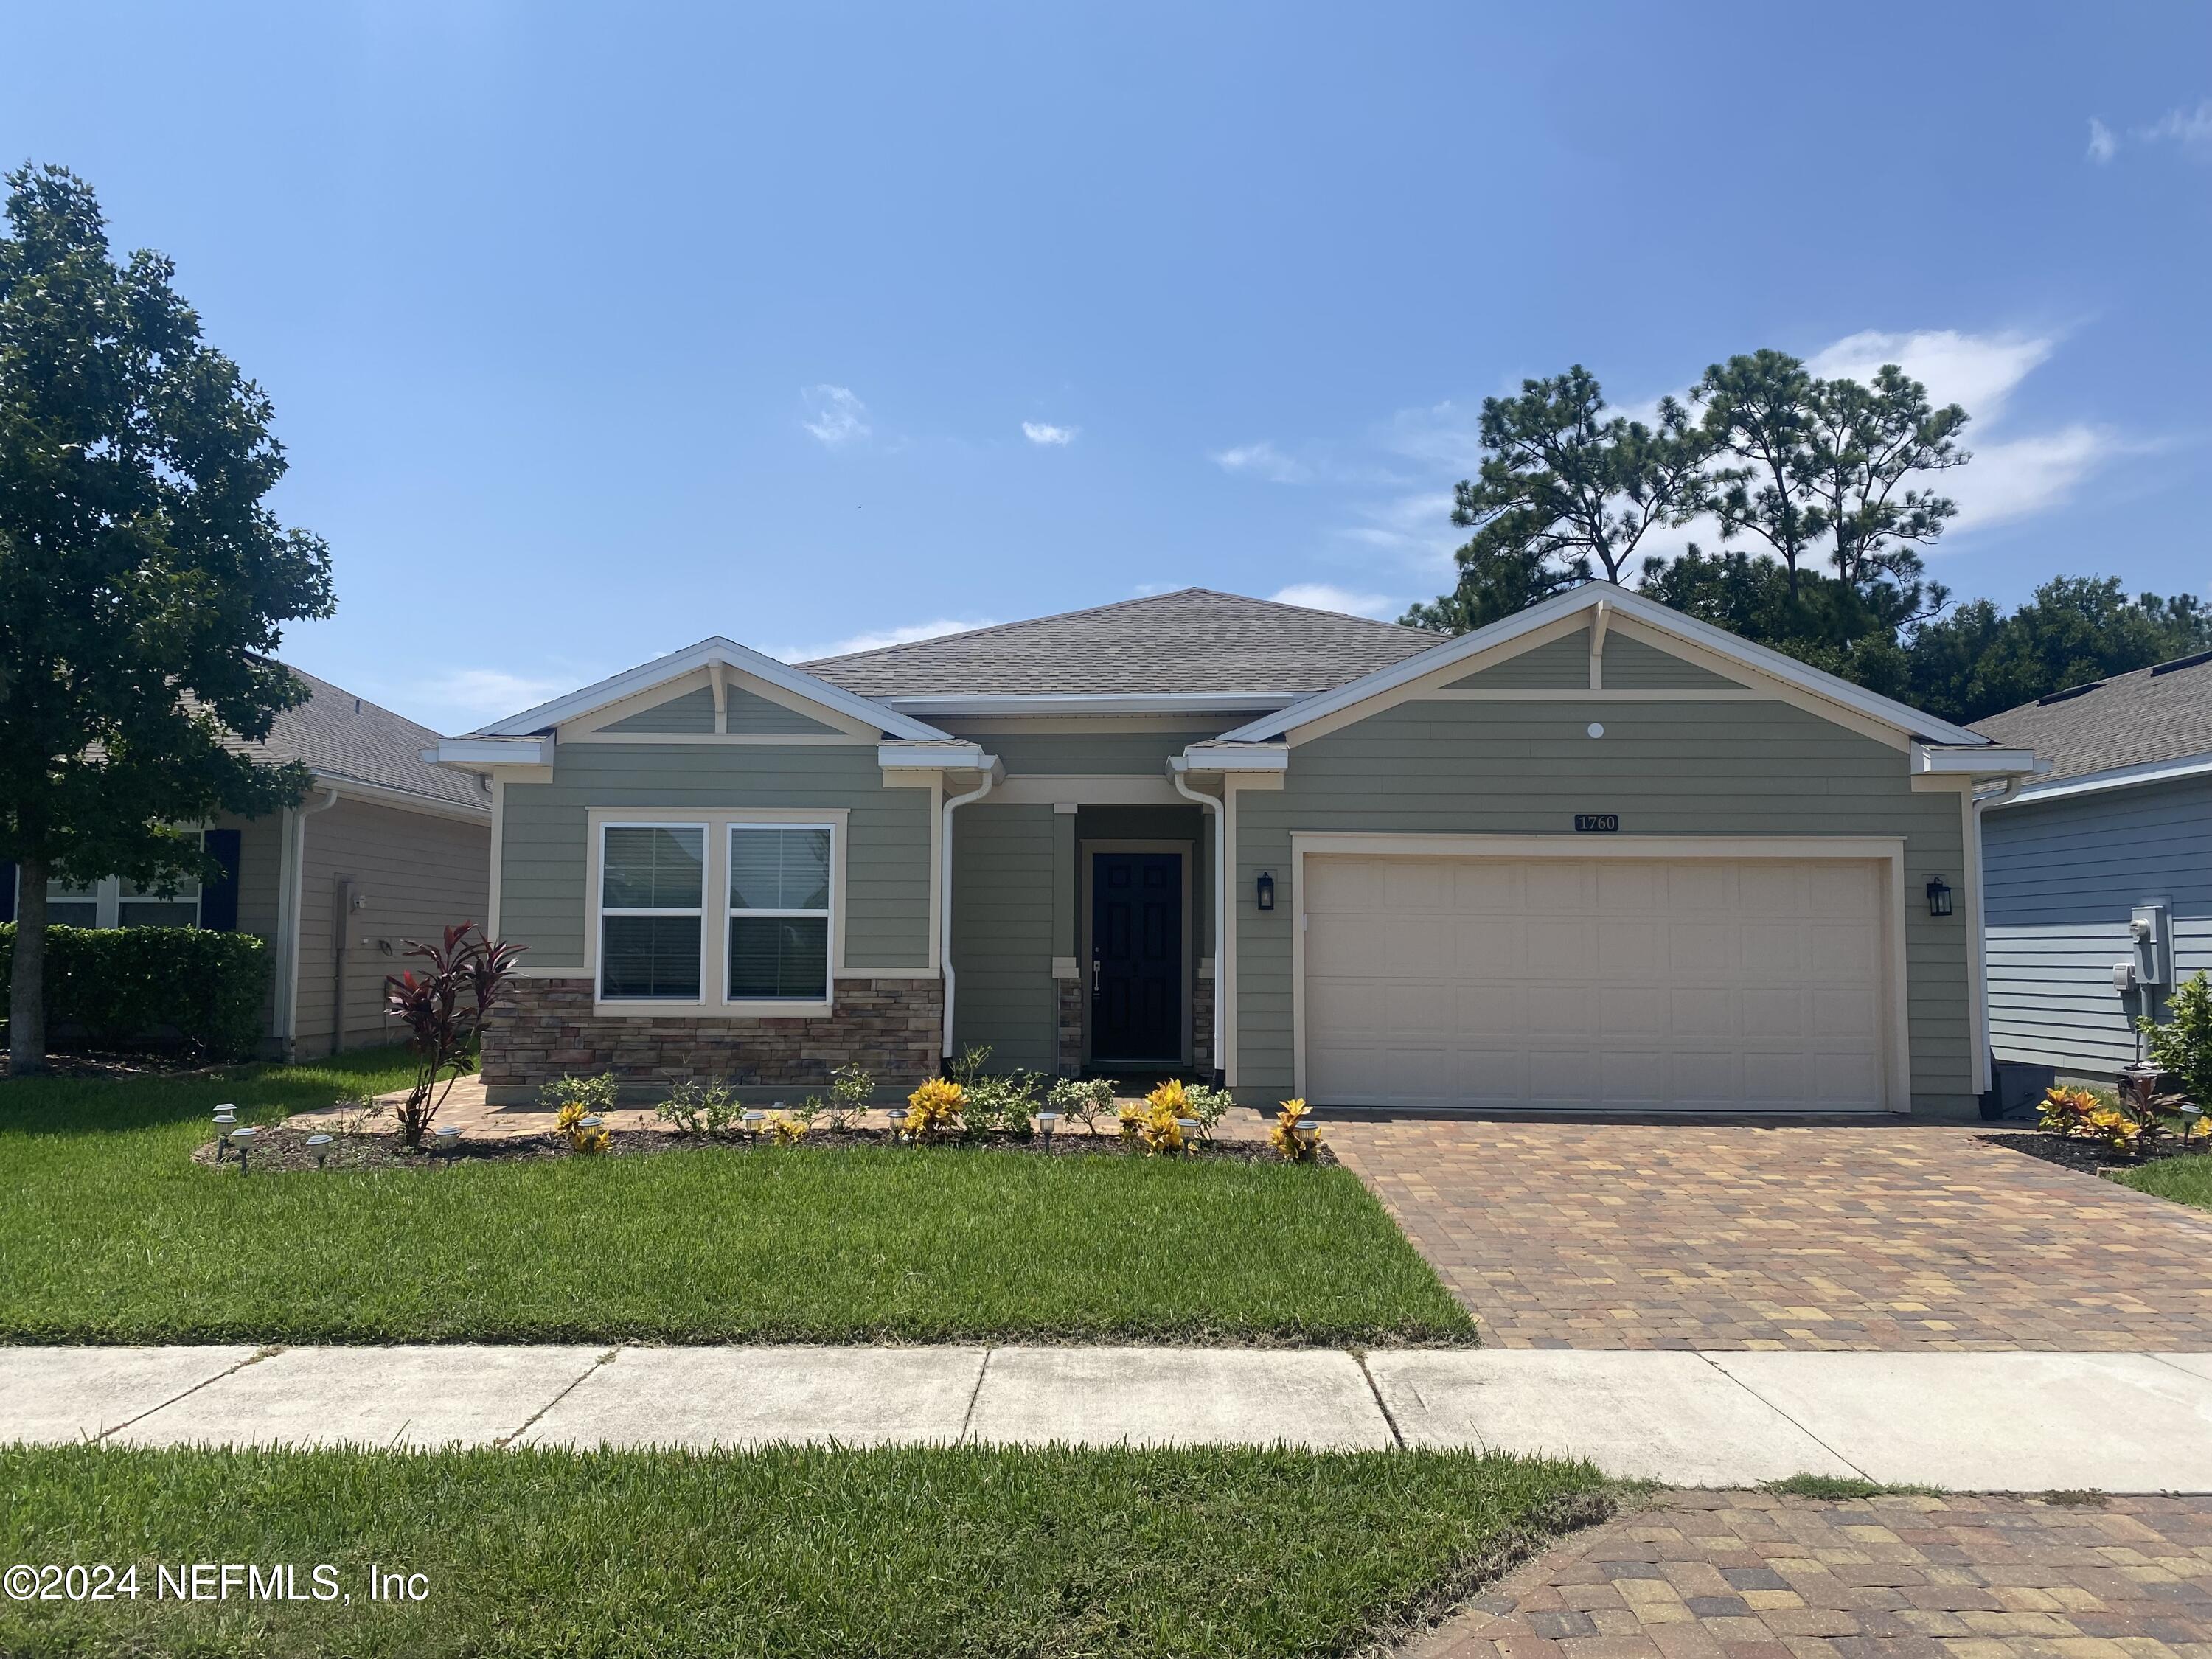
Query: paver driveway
x=1755, y=1575
x=1687, y=1236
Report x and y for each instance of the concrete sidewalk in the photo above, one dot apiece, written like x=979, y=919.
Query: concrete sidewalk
x=1996, y=1422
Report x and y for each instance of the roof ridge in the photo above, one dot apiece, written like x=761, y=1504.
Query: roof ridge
x=1111, y=605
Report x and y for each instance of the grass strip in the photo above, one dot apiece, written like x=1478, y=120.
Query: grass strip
x=2185, y=1180
x=1052, y=1552
x=115, y=1237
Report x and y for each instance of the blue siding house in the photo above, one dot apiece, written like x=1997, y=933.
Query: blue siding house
x=2119, y=828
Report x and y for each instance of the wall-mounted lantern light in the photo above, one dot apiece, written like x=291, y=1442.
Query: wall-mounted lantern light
x=1267, y=891
x=1939, y=896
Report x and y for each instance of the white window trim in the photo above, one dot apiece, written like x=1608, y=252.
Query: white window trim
x=600, y=911
x=712, y=1003
x=731, y=831
x=108, y=898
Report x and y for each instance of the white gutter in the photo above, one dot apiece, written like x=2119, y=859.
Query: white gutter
x=468, y=754
x=2118, y=777
x=1973, y=760
x=991, y=773
x=1176, y=768
x=291, y=873
x=1984, y=1081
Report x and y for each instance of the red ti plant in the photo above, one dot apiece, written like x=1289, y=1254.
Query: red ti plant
x=443, y=1009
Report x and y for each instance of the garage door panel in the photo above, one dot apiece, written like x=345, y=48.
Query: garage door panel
x=1624, y=985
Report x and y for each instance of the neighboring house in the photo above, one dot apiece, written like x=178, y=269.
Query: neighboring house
x=2119, y=827
x=1598, y=856
x=385, y=847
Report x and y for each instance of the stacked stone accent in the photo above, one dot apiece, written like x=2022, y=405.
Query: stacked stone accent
x=1201, y=1024
x=1071, y=1026
x=547, y=1027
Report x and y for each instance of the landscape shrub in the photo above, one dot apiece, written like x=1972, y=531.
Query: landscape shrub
x=933, y=1109
x=1283, y=1134
x=578, y=1125
x=695, y=1108
x=1085, y=1100
x=134, y=987
x=2122, y=1126
x=594, y=1094
x=2182, y=1045
x=444, y=1008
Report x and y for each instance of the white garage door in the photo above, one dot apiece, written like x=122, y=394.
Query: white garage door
x=1717, y=984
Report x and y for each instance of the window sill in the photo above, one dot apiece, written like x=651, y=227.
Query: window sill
x=692, y=1009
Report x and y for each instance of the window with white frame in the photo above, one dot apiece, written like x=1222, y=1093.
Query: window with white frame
x=114, y=902
x=652, y=890
x=781, y=886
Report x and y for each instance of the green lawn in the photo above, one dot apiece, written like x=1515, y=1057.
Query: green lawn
x=2185, y=1180
x=113, y=1236
x=786, y=1551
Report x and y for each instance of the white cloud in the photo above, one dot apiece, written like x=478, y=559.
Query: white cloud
x=1321, y=596
x=490, y=693
x=1262, y=460
x=2103, y=146
x=905, y=633
x=1978, y=370
x=1038, y=433
x=2191, y=129
x=834, y=415
x=2014, y=477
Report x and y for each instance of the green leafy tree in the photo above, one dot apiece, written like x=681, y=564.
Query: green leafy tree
x=1563, y=490
x=142, y=579
x=1823, y=621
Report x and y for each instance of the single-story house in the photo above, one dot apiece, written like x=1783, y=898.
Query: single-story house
x=2099, y=870
x=1599, y=856
x=388, y=846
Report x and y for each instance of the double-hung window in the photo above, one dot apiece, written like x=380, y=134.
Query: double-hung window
x=652, y=890
x=780, y=877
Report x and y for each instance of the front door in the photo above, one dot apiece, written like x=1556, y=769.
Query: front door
x=1136, y=959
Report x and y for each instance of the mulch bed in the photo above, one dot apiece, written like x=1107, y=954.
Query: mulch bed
x=2090, y=1157
x=123, y=1066
x=285, y=1149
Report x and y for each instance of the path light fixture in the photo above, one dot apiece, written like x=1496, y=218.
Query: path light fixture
x=895, y=1116
x=1939, y=896
x=243, y=1140
x=226, y=1120
x=320, y=1147
x=447, y=1138
x=1264, y=896
x=1046, y=1122
x=753, y=1117
x=1307, y=1130
x=1189, y=1127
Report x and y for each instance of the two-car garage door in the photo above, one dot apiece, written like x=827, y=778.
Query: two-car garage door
x=1609, y=984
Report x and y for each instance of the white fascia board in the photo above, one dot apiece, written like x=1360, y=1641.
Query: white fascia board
x=1984, y=762
x=1098, y=703
x=2118, y=777
x=473, y=753
x=932, y=757
x=1233, y=757
x=1626, y=603
x=729, y=654
x=404, y=800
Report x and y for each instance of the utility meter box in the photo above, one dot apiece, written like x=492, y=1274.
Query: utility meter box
x=2150, y=930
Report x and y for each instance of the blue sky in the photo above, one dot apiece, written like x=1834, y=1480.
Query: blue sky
x=595, y=330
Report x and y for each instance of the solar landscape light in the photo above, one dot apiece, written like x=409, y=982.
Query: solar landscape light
x=320, y=1147
x=447, y=1138
x=1046, y=1122
x=244, y=1138
x=752, y=1117
x=895, y=1115
x=226, y=1120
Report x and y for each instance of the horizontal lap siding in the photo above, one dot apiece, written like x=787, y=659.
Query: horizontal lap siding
x=1683, y=767
x=1002, y=928
x=2063, y=878
x=1562, y=665
x=1632, y=666
x=543, y=901
x=417, y=874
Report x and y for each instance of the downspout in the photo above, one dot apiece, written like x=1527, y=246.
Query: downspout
x=944, y=879
x=291, y=874
x=1984, y=1068
x=1177, y=767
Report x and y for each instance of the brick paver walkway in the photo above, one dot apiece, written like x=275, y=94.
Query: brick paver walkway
x=1755, y=1575
x=1686, y=1236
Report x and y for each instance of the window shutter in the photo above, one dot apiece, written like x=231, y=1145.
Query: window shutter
x=219, y=899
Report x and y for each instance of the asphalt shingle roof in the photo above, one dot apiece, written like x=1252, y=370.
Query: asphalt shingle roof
x=2129, y=719
x=1194, y=639
x=344, y=737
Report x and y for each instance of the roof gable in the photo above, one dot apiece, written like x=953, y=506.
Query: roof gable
x=631, y=683
x=1757, y=659
x=1194, y=641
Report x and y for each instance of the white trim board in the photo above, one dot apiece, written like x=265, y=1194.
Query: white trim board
x=2118, y=777
x=1897, y=1058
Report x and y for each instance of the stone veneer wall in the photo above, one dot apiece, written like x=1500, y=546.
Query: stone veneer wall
x=547, y=1027
x=1201, y=1025
x=1070, y=1025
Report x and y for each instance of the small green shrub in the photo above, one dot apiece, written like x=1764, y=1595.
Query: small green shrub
x=1086, y=1100
x=130, y=987
x=2182, y=1045
x=1008, y=1103
x=700, y=1108
x=596, y=1094
x=850, y=1088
